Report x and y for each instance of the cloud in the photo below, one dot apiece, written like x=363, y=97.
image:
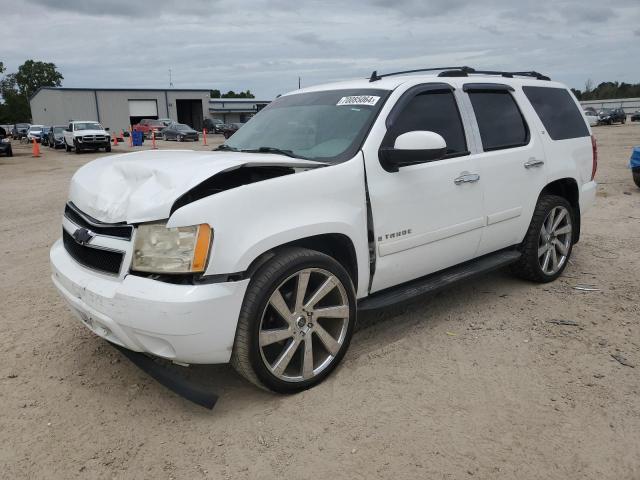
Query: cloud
x=265, y=45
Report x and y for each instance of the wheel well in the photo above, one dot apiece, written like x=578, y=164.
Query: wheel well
x=567, y=188
x=336, y=245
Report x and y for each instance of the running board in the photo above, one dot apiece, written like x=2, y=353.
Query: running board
x=437, y=281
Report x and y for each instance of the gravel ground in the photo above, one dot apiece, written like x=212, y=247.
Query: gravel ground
x=475, y=382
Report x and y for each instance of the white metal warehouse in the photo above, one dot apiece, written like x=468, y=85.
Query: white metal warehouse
x=118, y=108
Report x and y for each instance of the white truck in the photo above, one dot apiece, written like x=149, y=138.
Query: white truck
x=333, y=199
x=81, y=136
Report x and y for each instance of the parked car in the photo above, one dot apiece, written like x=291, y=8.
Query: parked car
x=147, y=126
x=20, y=130
x=329, y=201
x=609, y=116
x=634, y=165
x=5, y=143
x=56, y=136
x=592, y=117
x=214, y=125
x=34, y=133
x=180, y=132
x=81, y=136
x=44, y=136
x=635, y=116
x=228, y=129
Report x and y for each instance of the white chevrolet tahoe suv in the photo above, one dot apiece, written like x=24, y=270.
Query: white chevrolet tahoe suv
x=333, y=199
x=86, y=136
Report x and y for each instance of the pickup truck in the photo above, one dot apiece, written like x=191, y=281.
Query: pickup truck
x=333, y=199
x=81, y=136
x=149, y=126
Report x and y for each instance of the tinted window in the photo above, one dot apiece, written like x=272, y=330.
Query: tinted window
x=558, y=112
x=434, y=112
x=499, y=120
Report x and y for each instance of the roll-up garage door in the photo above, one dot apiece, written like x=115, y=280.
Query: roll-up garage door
x=143, y=108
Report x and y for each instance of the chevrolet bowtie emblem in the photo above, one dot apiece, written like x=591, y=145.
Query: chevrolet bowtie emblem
x=83, y=236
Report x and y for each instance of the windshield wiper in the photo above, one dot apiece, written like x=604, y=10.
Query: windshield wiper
x=227, y=148
x=280, y=151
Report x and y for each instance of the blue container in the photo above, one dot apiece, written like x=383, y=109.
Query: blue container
x=634, y=161
x=137, y=138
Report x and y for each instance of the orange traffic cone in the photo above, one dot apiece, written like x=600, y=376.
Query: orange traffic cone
x=36, y=149
x=115, y=140
x=153, y=140
x=130, y=137
x=204, y=136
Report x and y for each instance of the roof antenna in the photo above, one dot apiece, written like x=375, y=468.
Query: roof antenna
x=374, y=76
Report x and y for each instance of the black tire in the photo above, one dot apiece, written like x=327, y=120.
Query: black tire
x=10, y=152
x=107, y=148
x=528, y=266
x=636, y=176
x=66, y=146
x=247, y=358
x=76, y=147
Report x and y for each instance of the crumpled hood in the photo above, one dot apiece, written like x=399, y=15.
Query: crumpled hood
x=142, y=186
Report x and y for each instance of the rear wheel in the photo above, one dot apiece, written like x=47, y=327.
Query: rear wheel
x=636, y=176
x=296, y=321
x=547, y=245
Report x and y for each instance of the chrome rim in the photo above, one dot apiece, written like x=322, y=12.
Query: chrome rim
x=304, y=325
x=555, y=240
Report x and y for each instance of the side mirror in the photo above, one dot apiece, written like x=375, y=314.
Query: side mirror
x=412, y=148
x=106, y=129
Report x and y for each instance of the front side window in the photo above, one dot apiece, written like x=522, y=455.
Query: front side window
x=327, y=126
x=558, y=112
x=433, y=111
x=499, y=120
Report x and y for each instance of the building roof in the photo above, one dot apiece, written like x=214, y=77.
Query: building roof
x=86, y=89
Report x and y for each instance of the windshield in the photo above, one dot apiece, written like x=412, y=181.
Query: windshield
x=58, y=129
x=88, y=126
x=155, y=123
x=35, y=128
x=182, y=127
x=327, y=126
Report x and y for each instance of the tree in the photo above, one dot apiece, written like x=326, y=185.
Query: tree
x=230, y=94
x=33, y=75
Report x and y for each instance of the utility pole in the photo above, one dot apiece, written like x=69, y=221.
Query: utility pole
x=299, y=83
x=170, y=82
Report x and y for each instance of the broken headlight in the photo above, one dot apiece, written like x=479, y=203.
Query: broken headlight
x=158, y=249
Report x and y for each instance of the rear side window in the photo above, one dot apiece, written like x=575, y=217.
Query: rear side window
x=499, y=119
x=558, y=112
x=435, y=112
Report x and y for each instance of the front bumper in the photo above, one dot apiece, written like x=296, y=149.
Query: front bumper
x=184, y=323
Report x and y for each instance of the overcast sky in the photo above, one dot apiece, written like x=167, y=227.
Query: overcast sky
x=265, y=45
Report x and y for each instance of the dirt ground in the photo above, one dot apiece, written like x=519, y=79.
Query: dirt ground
x=473, y=383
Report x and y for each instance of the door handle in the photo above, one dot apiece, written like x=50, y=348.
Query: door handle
x=533, y=162
x=466, y=177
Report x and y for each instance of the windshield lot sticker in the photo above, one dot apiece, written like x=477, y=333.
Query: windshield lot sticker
x=359, y=100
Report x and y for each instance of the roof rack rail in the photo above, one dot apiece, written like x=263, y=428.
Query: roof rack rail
x=375, y=77
x=461, y=72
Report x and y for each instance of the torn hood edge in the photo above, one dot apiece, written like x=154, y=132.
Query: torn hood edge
x=143, y=186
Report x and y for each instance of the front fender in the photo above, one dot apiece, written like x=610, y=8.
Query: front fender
x=252, y=219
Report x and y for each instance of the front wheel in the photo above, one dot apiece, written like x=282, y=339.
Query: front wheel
x=636, y=176
x=548, y=243
x=107, y=148
x=296, y=321
x=66, y=146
